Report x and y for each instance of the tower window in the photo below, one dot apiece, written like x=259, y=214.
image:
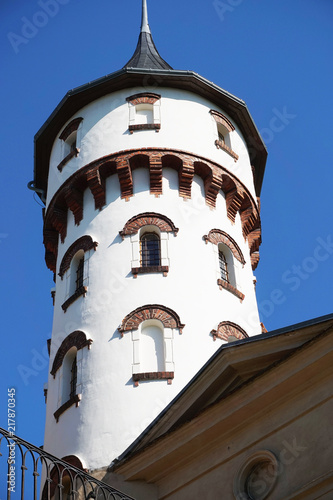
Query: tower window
x=150, y=250
x=144, y=112
x=223, y=267
x=69, y=138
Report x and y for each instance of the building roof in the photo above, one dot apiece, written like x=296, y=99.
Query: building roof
x=146, y=55
x=148, y=66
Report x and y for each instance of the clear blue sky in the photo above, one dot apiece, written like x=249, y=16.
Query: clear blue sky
x=276, y=55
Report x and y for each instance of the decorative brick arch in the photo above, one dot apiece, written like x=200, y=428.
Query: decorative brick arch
x=228, y=329
x=166, y=316
x=143, y=98
x=84, y=243
x=217, y=236
x=70, y=128
x=133, y=225
x=76, y=339
x=220, y=118
x=93, y=176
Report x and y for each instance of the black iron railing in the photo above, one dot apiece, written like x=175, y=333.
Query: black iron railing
x=29, y=473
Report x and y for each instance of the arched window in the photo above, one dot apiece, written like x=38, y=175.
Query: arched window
x=67, y=368
x=144, y=112
x=152, y=330
x=69, y=138
x=150, y=251
x=74, y=267
x=224, y=129
x=228, y=258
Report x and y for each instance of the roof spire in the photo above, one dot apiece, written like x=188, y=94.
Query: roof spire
x=144, y=21
x=146, y=55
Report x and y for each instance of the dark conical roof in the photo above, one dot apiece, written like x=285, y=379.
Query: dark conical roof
x=146, y=55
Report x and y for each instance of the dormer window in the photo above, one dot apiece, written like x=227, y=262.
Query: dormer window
x=144, y=112
x=69, y=138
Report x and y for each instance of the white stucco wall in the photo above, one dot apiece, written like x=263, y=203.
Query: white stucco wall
x=112, y=412
x=186, y=124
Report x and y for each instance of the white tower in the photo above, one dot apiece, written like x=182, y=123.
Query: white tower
x=152, y=179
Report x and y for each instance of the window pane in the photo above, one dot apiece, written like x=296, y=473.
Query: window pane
x=223, y=267
x=79, y=274
x=150, y=250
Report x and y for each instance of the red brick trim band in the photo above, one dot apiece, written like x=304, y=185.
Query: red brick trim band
x=143, y=98
x=221, y=145
x=133, y=225
x=217, y=236
x=228, y=329
x=215, y=177
x=169, y=376
x=84, y=243
x=80, y=291
x=224, y=284
x=76, y=339
x=150, y=269
x=220, y=118
x=71, y=127
x=72, y=401
x=166, y=316
x=67, y=158
x=144, y=126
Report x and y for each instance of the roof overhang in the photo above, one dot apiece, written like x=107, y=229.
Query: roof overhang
x=79, y=97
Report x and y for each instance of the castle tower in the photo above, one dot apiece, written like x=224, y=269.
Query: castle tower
x=152, y=179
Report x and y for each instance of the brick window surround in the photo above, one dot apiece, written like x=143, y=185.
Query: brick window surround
x=134, y=225
x=146, y=98
x=84, y=243
x=228, y=127
x=228, y=329
x=131, y=323
x=68, y=130
x=76, y=339
x=216, y=236
x=165, y=315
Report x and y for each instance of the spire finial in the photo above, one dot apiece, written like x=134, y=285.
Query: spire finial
x=144, y=21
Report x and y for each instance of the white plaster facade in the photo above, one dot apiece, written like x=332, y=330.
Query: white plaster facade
x=112, y=412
